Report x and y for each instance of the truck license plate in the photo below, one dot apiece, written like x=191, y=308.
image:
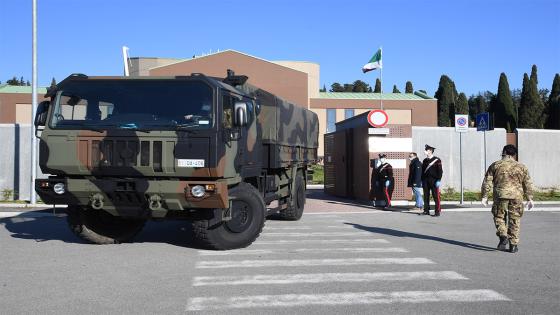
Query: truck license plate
x=190, y=163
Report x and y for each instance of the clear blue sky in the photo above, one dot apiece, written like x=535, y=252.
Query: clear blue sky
x=471, y=41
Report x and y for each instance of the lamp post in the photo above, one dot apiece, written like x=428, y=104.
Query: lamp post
x=33, y=196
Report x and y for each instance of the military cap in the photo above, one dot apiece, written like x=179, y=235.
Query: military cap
x=428, y=147
x=382, y=155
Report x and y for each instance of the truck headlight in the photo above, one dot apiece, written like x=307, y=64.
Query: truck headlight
x=59, y=188
x=198, y=191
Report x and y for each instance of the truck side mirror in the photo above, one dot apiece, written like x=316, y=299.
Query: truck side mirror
x=41, y=114
x=240, y=110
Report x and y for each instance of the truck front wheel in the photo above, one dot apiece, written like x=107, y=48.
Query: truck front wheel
x=101, y=227
x=295, y=211
x=248, y=216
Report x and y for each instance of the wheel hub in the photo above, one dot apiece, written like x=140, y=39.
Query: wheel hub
x=241, y=217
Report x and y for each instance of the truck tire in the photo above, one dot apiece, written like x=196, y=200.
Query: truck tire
x=248, y=216
x=294, y=213
x=101, y=227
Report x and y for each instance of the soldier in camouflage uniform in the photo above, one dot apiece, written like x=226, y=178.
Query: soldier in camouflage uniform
x=511, y=181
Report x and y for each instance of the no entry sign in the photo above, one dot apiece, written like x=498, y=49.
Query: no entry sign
x=377, y=118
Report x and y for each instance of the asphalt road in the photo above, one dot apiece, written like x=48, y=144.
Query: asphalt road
x=366, y=263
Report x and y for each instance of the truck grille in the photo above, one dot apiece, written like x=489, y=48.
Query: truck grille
x=122, y=153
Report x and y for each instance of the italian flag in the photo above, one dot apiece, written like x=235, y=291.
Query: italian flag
x=374, y=62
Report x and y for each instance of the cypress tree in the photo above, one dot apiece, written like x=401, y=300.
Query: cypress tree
x=395, y=89
x=553, y=120
x=445, y=95
x=534, y=74
x=531, y=108
x=462, y=104
x=524, y=103
x=409, y=88
x=377, y=88
x=504, y=111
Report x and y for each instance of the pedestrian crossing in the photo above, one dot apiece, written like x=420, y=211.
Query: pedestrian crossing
x=313, y=264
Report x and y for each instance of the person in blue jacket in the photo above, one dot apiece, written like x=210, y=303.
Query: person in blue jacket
x=415, y=180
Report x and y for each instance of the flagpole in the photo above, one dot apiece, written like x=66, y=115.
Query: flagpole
x=381, y=77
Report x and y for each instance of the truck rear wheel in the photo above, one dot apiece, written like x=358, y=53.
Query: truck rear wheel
x=295, y=211
x=248, y=216
x=101, y=227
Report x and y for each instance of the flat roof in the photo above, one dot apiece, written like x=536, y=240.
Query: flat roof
x=7, y=89
x=417, y=96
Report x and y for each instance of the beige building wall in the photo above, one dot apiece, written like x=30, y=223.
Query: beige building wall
x=312, y=70
x=140, y=66
x=322, y=116
x=23, y=113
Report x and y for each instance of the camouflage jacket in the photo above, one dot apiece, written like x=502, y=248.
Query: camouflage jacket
x=510, y=179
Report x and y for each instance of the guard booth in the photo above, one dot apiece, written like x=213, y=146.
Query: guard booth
x=352, y=152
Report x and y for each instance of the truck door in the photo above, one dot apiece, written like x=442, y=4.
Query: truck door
x=247, y=138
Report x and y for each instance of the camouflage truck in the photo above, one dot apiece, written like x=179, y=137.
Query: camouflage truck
x=213, y=151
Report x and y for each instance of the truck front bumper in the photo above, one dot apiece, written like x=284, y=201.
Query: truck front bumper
x=115, y=194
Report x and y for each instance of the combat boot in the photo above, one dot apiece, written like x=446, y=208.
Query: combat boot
x=502, y=245
x=513, y=248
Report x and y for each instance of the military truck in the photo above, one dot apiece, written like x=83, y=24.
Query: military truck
x=214, y=151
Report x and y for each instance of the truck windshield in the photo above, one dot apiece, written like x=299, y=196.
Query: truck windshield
x=133, y=104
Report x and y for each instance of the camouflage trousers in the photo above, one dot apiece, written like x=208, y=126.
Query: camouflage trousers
x=513, y=208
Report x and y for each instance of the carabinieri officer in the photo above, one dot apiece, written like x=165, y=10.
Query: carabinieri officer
x=432, y=172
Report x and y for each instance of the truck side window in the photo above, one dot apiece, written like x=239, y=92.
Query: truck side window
x=227, y=102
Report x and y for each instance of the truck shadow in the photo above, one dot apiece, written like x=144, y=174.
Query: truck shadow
x=42, y=227
x=398, y=233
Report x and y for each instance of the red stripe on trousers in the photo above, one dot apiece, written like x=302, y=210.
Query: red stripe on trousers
x=438, y=206
x=387, y=195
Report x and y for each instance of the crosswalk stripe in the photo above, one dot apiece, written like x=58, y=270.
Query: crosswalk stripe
x=307, y=227
x=325, y=277
x=347, y=298
x=355, y=250
x=318, y=234
x=330, y=241
x=304, y=250
x=235, y=252
x=287, y=228
x=311, y=262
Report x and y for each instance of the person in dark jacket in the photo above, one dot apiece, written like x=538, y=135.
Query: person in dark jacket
x=383, y=182
x=432, y=172
x=415, y=180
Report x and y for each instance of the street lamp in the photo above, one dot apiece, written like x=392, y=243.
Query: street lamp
x=33, y=196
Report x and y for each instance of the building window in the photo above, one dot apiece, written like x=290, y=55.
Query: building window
x=331, y=120
x=348, y=113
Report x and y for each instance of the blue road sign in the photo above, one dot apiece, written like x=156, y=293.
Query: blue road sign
x=483, y=122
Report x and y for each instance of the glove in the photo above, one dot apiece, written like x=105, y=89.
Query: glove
x=438, y=183
x=387, y=183
x=530, y=205
x=484, y=202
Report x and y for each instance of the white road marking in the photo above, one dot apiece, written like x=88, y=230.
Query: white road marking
x=347, y=298
x=303, y=250
x=318, y=234
x=333, y=241
x=306, y=227
x=311, y=262
x=548, y=209
x=326, y=277
x=287, y=228
x=235, y=252
x=354, y=250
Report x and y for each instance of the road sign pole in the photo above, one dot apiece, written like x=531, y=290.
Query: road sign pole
x=484, y=151
x=461, y=165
